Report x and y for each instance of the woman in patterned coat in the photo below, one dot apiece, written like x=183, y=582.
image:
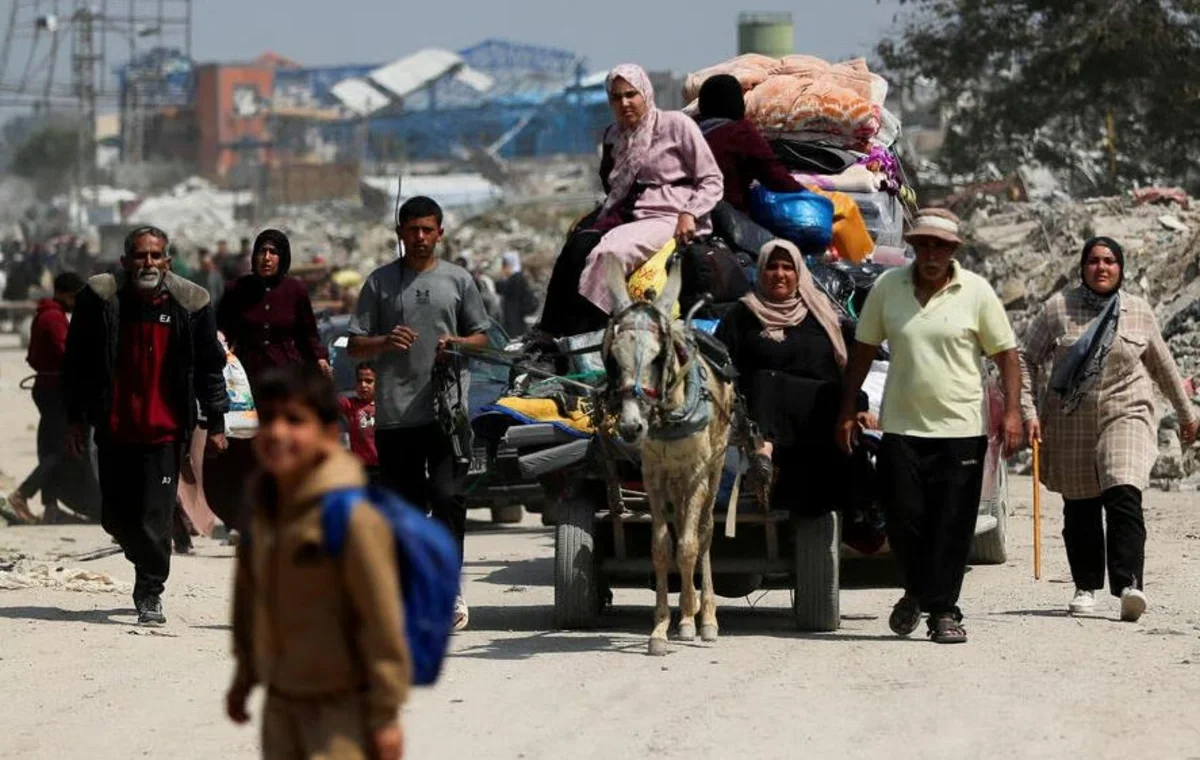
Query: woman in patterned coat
x=1097, y=421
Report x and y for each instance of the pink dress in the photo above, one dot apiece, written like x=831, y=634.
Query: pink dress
x=680, y=176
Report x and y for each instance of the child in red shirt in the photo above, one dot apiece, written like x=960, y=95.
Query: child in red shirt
x=358, y=414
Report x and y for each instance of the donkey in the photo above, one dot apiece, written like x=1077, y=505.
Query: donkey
x=678, y=412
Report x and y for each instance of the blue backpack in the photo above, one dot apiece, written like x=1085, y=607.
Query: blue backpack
x=429, y=567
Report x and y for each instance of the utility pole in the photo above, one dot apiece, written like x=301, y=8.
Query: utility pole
x=84, y=66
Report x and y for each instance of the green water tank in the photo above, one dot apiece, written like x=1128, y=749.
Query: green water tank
x=766, y=33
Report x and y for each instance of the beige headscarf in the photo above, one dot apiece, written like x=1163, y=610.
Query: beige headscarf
x=808, y=299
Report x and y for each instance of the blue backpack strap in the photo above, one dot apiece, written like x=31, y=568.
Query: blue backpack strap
x=335, y=517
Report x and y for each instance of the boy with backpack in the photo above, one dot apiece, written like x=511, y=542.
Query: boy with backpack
x=317, y=617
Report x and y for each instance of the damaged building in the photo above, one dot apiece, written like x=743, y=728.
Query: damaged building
x=294, y=133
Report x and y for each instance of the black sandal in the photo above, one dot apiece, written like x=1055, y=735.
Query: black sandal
x=906, y=616
x=946, y=629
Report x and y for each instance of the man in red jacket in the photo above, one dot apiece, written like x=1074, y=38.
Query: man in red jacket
x=47, y=345
x=143, y=368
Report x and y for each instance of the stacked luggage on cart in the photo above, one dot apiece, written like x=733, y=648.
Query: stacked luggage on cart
x=828, y=125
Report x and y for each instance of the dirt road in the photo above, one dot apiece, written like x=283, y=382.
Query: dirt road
x=82, y=682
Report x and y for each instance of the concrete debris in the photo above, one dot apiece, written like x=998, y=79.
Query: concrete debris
x=191, y=208
x=528, y=209
x=536, y=230
x=1170, y=456
x=1012, y=294
x=1030, y=251
x=1172, y=223
x=25, y=573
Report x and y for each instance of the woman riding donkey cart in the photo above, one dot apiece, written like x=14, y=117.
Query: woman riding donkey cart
x=662, y=183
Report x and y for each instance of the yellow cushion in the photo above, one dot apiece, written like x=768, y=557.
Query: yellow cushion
x=652, y=276
x=545, y=410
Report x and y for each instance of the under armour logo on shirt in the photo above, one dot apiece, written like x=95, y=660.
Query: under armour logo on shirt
x=166, y=480
x=422, y=296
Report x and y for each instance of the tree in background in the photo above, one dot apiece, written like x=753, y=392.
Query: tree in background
x=1109, y=89
x=47, y=158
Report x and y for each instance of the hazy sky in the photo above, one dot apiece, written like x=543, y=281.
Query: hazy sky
x=661, y=34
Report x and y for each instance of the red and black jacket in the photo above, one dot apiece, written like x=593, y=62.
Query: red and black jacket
x=196, y=377
x=48, y=343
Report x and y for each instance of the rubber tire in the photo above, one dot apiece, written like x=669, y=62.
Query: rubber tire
x=817, y=543
x=576, y=575
x=509, y=515
x=991, y=548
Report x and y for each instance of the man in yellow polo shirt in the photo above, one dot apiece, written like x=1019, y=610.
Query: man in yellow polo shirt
x=939, y=321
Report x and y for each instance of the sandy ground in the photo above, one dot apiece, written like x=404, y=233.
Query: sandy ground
x=82, y=682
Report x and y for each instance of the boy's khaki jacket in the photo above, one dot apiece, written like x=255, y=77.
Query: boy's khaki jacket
x=306, y=624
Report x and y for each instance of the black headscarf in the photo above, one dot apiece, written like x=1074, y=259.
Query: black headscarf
x=1118, y=253
x=1077, y=372
x=282, y=245
x=721, y=98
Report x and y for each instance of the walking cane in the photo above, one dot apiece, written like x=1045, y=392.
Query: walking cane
x=1037, y=510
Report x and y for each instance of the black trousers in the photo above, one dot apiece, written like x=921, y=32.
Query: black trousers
x=51, y=445
x=566, y=312
x=225, y=483
x=1083, y=533
x=930, y=492
x=138, y=485
x=418, y=463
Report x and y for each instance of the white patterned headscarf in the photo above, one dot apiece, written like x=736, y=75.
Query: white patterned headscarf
x=633, y=144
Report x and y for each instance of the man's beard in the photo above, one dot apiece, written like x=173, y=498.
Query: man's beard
x=149, y=279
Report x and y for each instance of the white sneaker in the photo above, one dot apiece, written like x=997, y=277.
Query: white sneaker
x=462, y=614
x=1133, y=605
x=1083, y=603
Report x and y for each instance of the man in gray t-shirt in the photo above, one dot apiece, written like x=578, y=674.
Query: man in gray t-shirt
x=409, y=311
x=441, y=301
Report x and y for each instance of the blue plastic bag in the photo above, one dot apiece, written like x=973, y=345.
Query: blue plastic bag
x=804, y=218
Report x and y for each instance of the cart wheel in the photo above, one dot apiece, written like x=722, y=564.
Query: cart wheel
x=817, y=543
x=576, y=576
x=509, y=515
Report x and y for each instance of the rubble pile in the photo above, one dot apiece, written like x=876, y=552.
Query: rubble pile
x=534, y=230
x=23, y=573
x=197, y=214
x=531, y=214
x=1030, y=251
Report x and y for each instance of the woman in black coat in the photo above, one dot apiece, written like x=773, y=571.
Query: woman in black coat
x=787, y=344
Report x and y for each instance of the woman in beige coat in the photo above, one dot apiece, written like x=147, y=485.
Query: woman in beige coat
x=1098, y=422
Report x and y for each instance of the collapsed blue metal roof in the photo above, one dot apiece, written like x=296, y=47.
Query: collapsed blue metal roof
x=534, y=96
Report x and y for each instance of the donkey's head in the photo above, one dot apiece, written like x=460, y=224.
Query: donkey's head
x=639, y=354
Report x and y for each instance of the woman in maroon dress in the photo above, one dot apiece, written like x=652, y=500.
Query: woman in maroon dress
x=268, y=320
x=267, y=317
